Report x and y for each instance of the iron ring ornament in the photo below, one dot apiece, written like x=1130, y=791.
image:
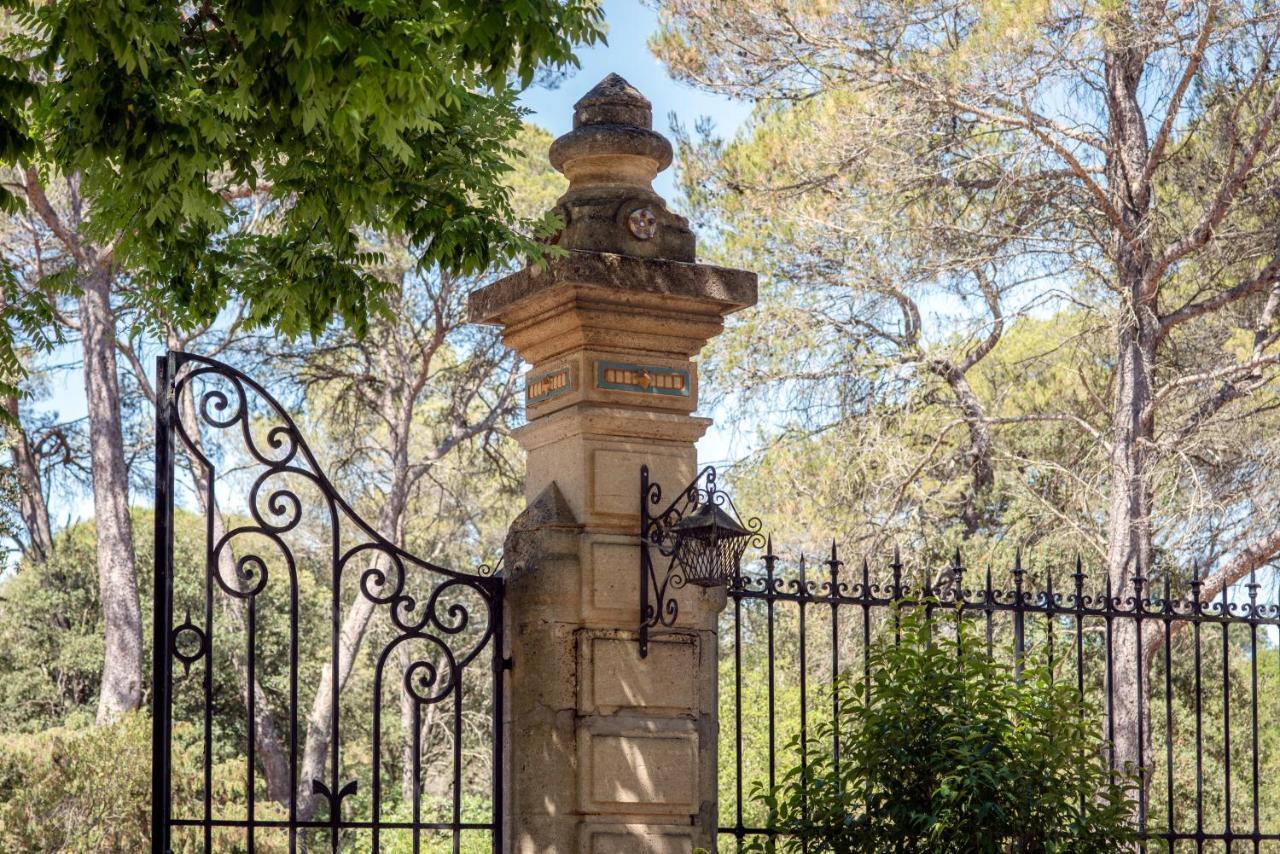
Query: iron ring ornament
x=699, y=539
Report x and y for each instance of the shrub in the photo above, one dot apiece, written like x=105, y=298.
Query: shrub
x=89, y=790
x=951, y=752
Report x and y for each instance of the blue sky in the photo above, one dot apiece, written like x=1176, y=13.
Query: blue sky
x=630, y=24
x=626, y=52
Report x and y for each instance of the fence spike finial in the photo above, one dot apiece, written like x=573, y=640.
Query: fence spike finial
x=1196, y=584
x=897, y=573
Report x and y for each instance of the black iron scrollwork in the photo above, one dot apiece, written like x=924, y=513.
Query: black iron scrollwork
x=246, y=449
x=187, y=633
x=659, y=532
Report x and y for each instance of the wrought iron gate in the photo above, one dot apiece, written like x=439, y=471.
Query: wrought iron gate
x=331, y=691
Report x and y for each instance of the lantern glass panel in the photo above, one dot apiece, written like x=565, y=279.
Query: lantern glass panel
x=709, y=545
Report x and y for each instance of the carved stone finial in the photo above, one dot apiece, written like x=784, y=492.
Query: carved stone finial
x=613, y=101
x=611, y=158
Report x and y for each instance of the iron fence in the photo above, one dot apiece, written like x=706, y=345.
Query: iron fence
x=1201, y=679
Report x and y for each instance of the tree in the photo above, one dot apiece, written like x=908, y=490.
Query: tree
x=945, y=749
x=1109, y=165
x=214, y=153
x=404, y=401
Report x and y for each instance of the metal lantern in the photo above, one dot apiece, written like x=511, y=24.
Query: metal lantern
x=698, y=539
x=709, y=545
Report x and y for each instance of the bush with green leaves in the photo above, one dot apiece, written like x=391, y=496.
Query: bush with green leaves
x=89, y=790
x=946, y=749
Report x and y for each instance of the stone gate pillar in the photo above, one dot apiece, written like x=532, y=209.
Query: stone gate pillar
x=607, y=752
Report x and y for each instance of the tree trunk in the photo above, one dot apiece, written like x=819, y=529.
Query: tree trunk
x=1129, y=546
x=117, y=578
x=31, y=502
x=979, y=453
x=336, y=671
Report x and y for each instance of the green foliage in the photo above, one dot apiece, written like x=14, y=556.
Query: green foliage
x=89, y=790
x=951, y=752
x=333, y=117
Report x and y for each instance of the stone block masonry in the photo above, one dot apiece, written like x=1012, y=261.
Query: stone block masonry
x=608, y=753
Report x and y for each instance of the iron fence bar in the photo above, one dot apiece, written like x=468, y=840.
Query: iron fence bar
x=1226, y=719
x=769, y=560
x=1079, y=603
x=1109, y=673
x=866, y=632
x=349, y=824
x=162, y=617
x=499, y=711
x=737, y=713
x=1141, y=683
x=804, y=700
x=251, y=704
x=833, y=590
x=1195, y=628
x=1168, y=703
x=207, y=684
x=1019, y=617
x=416, y=722
x=1205, y=617
x=1253, y=698
x=457, y=763
x=988, y=613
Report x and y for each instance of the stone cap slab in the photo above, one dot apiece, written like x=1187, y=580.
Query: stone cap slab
x=726, y=289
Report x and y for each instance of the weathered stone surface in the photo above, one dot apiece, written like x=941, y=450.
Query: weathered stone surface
x=614, y=101
x=638, y=766
x=607, y=752
x=610, y=158
x=725, y=289
x=637, y=839
x=612, y=678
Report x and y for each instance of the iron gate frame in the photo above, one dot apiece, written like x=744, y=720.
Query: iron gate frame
x=171, y=381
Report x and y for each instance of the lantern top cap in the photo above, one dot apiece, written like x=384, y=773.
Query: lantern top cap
x=711, y=515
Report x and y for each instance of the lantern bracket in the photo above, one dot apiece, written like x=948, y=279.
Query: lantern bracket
x=663, y=532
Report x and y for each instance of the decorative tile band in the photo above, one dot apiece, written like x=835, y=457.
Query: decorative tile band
x=548, y=385
x=648, y=379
